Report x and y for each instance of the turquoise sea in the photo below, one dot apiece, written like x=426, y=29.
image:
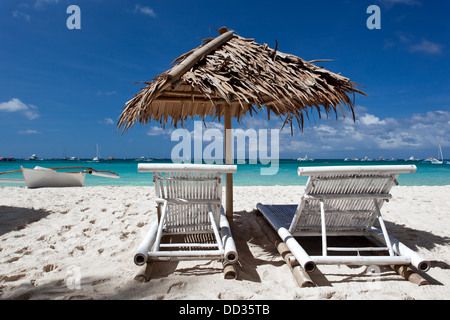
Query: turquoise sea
x=248, y=174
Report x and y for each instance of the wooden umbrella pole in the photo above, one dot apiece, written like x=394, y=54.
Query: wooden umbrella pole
x=228, y=160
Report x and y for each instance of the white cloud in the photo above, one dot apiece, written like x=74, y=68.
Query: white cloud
x=158, y=131
x=368, y=134
x=390, y=3
x=107, y=93
x=107, y=121
x=325, y=130
x=145, y=11
x=369, y=119
x=29, y=131
x=40, y=3
x=427, y=46
x=15, y=105
x=21, y=15
x=214, y=125
x=411, y=44
x=21, y=12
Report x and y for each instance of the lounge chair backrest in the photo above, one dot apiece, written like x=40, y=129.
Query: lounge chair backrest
x=191, y=191
x=351, y=197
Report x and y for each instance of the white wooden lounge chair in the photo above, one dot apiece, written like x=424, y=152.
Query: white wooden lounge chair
x=343, y=201
x=189, y=199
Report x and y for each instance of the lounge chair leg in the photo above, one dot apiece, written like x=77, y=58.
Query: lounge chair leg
x=230, y=250
x=144, y=273
x=300, y=275
x=324, y=230
x=229, y=271
x=402, y=250
x=141, y=256
x=383, y=228
x=407, y=273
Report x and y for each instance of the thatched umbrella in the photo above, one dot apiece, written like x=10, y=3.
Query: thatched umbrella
x=230, y=76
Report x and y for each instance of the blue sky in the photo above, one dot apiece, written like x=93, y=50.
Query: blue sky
x=64, y=89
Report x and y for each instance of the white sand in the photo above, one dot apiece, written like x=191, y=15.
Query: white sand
x=79, y=243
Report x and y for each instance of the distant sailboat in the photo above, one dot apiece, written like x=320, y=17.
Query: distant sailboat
x=65, y=157
x=437, y=161
x=97, y=157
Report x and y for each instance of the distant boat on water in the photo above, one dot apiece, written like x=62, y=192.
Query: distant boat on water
x=369, y=159
x=97, y=157
x=33, y=157
x=412, y=159
x=305, y=158
x=439, y=160
x=65, y=157
x=145, y=159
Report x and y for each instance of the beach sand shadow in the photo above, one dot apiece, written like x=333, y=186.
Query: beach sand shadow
x=412, y=238
x=416, y=239
x=247, y=233
x=17, y=218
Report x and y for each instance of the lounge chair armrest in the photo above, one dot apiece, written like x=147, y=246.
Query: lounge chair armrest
x=160, y=201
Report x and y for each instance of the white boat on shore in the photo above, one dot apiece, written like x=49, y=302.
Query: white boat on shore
x=40, y=177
